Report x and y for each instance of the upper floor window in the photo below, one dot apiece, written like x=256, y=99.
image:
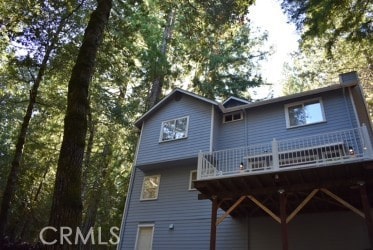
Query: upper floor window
x=236, y=116
x=174, y=129
x=150, y=187
x=304, y=113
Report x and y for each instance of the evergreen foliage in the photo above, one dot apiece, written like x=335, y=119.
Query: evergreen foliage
x=337, y=37
x=209, y=39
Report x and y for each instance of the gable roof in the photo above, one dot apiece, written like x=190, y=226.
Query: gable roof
x=247, y=105
x=169, y=97
x=234, y=101
x=285, y=98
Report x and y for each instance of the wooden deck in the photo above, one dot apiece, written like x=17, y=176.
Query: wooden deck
x=284, y=195
x=334, y=148
x=320, y=173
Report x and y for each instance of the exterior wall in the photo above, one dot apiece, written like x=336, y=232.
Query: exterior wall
x=199, y=112
x=232, y=134
x=260, y=125
x=362, y=108
x=218, y=117
x=322, y=231
x=191, y=217
x=179, y=206
x=264, y=123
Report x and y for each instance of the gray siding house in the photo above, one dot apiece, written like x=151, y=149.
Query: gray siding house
x=293, y=172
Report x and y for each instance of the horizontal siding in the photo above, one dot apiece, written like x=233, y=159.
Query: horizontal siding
x=179, y=206
x=173, y=194
x=264, y=123
x=191, y=234
x=322, y=231
x=361, y=109
x=150, y=150
x=217, y=124
x=232, y=134
x=191, y=217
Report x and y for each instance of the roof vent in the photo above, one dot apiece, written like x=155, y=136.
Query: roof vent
x=349, y=79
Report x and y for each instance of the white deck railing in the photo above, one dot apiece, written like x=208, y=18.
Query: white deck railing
x=310, y=151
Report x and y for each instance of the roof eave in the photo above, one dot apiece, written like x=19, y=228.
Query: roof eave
x=286, y=98
x=139, y=122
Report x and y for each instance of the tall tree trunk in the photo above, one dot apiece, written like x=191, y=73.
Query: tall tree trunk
x=88, y=153
x=67, y=205
x=156, y=90
x=29, y=214
x=16, y=162
x=95, y=197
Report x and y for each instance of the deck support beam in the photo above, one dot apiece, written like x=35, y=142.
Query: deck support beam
x=264, y=208
x=304, y=202
x=284, y=226
x=343, y=202
x=367, y=211
x=214, y=215
x=236, y=204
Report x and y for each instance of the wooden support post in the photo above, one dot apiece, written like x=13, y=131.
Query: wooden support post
x=284, y=226
x=367, y=212
x=214, y=215
x=275, y=157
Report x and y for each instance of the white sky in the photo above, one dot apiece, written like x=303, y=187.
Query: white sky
x=282, y=36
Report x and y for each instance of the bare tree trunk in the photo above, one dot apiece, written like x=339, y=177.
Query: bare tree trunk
x=67, y=205
x=16, y=162
x=156, y=90
x=29, y=213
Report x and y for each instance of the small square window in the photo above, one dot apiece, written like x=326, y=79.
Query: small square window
x=150, y=187
x=174, y=129
x=192, y=178
x=304, y=113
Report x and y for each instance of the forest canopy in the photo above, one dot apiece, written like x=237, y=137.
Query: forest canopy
x=142, y=50
x=148, y=48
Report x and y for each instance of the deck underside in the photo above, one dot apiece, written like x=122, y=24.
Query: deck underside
x=241, y=194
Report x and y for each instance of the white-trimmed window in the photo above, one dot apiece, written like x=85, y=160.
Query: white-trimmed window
x=192, y=177
x=304, y=113
x=174, y=129
x=231, y=117
x=150, y=187
x=144, y=239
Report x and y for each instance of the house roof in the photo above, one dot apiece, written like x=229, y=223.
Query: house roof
x=285, y=98
x=234, y=101
x=245, y=104
x=169, y=97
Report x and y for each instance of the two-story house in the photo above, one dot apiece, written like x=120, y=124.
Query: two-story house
x=293, y=172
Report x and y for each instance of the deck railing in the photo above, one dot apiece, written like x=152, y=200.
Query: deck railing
x=309, y=151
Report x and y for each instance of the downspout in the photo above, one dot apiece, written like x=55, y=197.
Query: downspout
x=246, y=127
x=129, y=191
x=212, y=127
x=368, y=123
x=366, y=109
x=347, y=109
